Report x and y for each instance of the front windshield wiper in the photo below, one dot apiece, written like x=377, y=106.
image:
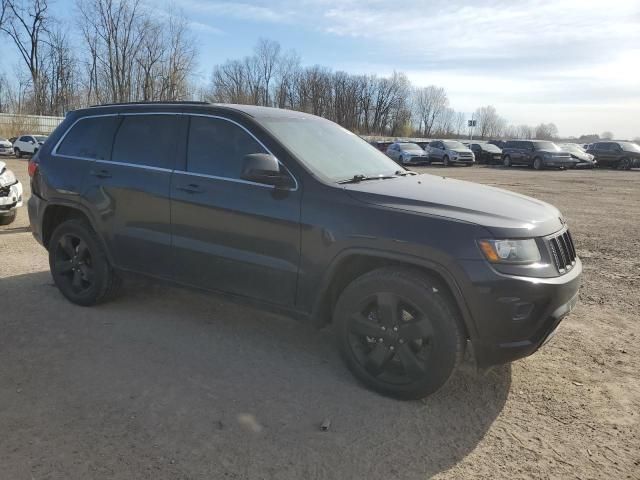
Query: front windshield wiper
x=402, y=173
x=362, y=178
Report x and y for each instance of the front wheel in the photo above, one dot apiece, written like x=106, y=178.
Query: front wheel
x=506, y=161
x=445, y=161
x=625, y=164
x=398, y=332
x=8, y=219
x=537, y=163
x=79, y=264
x=17, y=152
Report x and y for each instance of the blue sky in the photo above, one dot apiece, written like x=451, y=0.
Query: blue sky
x=572, y=62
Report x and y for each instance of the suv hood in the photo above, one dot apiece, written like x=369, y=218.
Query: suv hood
x=505, y=214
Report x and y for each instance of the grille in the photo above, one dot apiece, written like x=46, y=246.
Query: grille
x=563, y=251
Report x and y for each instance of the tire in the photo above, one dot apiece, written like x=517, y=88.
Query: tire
x=445, y=161
x=624, y=164
x=79, y=264
x=506, y=161
x=8, y=219
x=408, y=354
x=17, y=152
x=537, y=164
x=401, y=160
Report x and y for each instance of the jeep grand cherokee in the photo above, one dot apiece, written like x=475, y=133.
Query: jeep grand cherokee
x=297, y=214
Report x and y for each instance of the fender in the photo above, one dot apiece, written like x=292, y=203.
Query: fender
x=61, y=202
x=398, y=257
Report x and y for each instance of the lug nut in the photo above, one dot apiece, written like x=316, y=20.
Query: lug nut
x=395, y=329
x=384, y=329
x=391, y=348
x=402, y=340
x=380, y=340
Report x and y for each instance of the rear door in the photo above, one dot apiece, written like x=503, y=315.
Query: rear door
x=130, y=192
x=230, y=234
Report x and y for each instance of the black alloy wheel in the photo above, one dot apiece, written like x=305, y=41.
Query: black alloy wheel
x=79, y=264
x=398, y=332
x=74, y=264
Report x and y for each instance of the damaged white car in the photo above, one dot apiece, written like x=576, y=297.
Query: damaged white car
x=10, y=195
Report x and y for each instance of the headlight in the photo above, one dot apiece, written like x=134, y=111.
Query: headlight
x=510, y=251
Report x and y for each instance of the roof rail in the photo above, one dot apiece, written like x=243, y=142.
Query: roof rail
x=172, y=102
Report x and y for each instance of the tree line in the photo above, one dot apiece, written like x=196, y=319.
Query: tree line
x=129, y=52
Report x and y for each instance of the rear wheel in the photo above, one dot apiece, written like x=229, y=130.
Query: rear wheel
x=506, y=161
x=398, y=332
x=79, y=264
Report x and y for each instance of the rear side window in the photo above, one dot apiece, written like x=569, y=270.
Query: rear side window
x=90, y=138
x=147, y=140
x=25, y=139
x=217, y=147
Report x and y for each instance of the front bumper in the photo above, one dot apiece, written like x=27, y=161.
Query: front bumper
x=10, y=200
x=514, y=316
x=559, y=162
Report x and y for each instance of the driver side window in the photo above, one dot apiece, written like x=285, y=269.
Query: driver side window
x=217, y=147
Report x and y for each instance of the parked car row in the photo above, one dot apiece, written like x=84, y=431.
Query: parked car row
x=27, y=144
x=538, y=154
x=447, y=152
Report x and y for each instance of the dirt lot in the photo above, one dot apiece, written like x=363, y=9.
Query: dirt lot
x=164, y=383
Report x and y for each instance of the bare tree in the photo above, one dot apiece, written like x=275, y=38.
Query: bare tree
x=27, y=25
x=61, y=72
x=606, y=135
x=115, y=31
x=267, y=54
x=430, y=102
x=546, y=131
x=489, y=123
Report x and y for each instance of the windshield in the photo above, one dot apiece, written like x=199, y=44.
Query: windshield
x=490, y=147
x=410, y=147
x=550, y=146
x=329, y=150
x=567, y=147
x=40, y=138
x=630, y=147
x=453, y=145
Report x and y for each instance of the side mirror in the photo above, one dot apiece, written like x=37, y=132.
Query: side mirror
x=264, y=168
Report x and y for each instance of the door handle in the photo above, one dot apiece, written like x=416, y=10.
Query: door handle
x=191, y=188
x=100, y=173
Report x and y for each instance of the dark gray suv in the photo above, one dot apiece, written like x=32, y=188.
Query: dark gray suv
x=295, y=214
x=538, y=154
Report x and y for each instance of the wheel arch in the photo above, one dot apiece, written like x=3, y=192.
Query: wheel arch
x=56, y=213
x=351, y=264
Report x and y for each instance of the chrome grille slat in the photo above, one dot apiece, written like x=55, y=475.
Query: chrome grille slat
x=562, y=251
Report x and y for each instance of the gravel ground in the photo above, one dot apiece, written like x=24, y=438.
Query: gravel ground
x=164, y=383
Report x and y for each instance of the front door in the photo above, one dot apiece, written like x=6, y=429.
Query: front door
x=229, y=234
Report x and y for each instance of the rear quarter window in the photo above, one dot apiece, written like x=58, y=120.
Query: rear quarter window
x=90, y=138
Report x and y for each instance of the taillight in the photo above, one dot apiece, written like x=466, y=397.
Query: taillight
x=32, y=167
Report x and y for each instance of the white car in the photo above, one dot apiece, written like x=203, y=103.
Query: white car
x=28, y=144
x=10, y=195
x=6, y=148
